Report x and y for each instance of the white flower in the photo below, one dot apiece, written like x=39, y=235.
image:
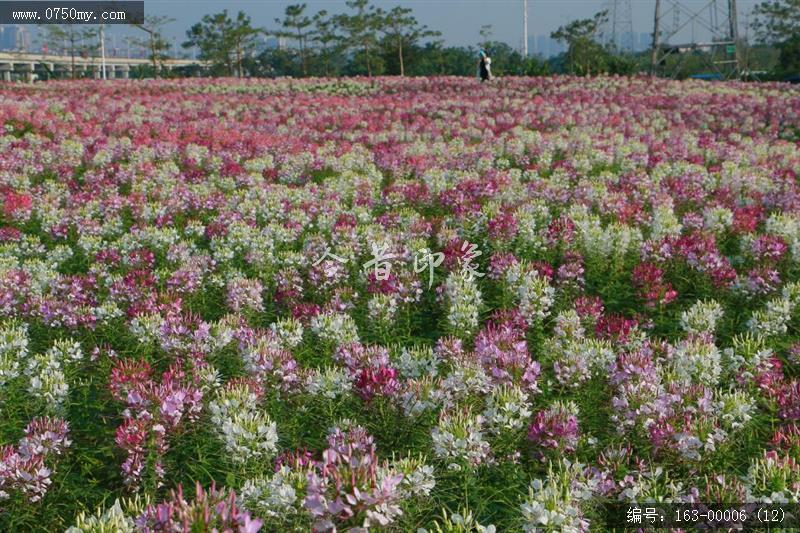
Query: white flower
x=464, y=301
x=417, y=362
x=697, y=360
x=507, y=408
x=336, y=328
x=772, y=321
x=13, y=350
x=535, y=295
x=552, y=505
x=272, y=496
x=702, y=317
x=248, y=433
x=289, y=330
x=330, y=382
x=459, y=436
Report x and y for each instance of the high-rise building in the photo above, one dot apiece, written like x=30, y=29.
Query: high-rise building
x=23, y=39
x=275, y=42
x=7, y=37
x=645, y=41
x=541, y=46
x=16, y=38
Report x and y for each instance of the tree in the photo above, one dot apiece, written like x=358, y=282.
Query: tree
x=403, y=31
x=584, y=54
x=243, y=39
x=778, y=22
x=486, y=36
x=295, y=24
x=324, y=36
x=73, y=40
x=155, y=42
x=223, y=41
x=361, y=29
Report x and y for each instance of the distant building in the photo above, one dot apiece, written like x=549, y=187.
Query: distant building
x=11, y=37
x=645, y=41
x=275, y=43
x=16, y=38
x=545, y=46
x=541, y=46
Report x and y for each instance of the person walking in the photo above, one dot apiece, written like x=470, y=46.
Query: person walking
x=484, y=66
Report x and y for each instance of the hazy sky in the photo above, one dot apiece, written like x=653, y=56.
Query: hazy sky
x=458, y=20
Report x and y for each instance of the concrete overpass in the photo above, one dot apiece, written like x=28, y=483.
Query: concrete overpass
x=14, y=65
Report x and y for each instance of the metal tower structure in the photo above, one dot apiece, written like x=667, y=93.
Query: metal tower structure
x=717, y=17
x=525, y=28
x=619, y=27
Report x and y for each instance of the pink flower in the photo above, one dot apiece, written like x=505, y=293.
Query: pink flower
x=381, y=380
x=503, y=352
x=555, y=428
x=212, y=510
x=16, y=205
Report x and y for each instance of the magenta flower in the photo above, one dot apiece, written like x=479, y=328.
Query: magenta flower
x=503, y=352
x=556, y=428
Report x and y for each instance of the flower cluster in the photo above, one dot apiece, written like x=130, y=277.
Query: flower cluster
x=556, y=427
x=154, y=410
x=210, y=510
x=248, y=432
x=242, y=263
x=346, y=488
x=24, y=467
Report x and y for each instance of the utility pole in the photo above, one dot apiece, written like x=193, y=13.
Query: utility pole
x=656, y=31
x=525, y=28
x=733, y=22
x=103, y=49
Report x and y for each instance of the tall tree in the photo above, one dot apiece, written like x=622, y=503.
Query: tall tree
x=486, y=35
x=223, y=41
x=360, y=29
x=155, y=42
x=74, y=40
x=296, y=24
x=243, y=39
x=584, y=54
x=403, y=31
x=325, y=38
x=778, y=22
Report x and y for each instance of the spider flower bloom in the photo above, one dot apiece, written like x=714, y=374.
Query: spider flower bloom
x=247, y=432
x=503, y=352
x=458, y=437
x=556, y=427
x=651, y=284
x=554, y=504
x=17, y=206
x=244, y=295
x=346, y=488
x=464, y=303
x=380, y=380
x=24, y=468
x=212, y=510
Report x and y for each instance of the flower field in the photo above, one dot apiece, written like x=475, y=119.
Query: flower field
x=395, y=304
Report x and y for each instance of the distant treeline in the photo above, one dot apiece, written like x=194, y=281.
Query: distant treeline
x=368, y=40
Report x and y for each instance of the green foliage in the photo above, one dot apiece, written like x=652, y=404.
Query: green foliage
x=156, y=44
x=778, y=22
x=223, y=42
